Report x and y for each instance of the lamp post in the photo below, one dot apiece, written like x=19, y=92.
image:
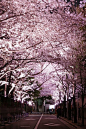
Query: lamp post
x=69, y=107
x=44, y=104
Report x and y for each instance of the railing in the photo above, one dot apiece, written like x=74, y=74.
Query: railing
x=10, y=110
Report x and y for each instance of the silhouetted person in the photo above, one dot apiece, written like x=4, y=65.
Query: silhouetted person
x=58, y=111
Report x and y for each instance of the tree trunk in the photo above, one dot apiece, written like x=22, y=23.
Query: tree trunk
x=82, y=108
x=69, y=110
x=65, y=106
x=75, y=110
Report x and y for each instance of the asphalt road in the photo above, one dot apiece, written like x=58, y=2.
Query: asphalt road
x=38, y=121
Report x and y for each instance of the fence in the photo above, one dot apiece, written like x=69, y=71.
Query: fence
x=10, y=110
x=72, y=110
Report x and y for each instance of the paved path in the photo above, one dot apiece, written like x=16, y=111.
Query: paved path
x=38, y=121
x=51, y=122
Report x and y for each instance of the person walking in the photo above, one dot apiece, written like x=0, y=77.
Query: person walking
x=57, y=112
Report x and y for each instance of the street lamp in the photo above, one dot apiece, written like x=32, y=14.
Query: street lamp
x=44, y=104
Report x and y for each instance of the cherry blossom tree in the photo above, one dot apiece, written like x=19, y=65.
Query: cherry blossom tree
x=36, y=40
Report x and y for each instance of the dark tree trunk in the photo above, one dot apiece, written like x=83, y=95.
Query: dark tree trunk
x=75, y=110
x=69, y=110
x=82, y=108
x=65, y=106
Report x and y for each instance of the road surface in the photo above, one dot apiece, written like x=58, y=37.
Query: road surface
x=38, y=121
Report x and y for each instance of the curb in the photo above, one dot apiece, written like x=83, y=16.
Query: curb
x=76, y=126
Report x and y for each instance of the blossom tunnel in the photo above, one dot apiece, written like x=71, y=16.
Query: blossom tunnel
x=42, y=49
